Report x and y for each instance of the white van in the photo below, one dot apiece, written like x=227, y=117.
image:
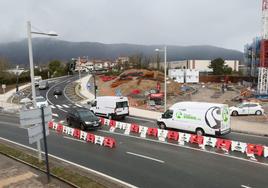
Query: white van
x=110, y=106
x=199, y=117
x=37, y=79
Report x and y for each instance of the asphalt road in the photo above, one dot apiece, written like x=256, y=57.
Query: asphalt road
x=146, y=163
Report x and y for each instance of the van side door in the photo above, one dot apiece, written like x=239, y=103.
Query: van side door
x=180, y=121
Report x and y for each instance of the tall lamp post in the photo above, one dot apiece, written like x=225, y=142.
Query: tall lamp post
x=165, y=72
x=29, y=33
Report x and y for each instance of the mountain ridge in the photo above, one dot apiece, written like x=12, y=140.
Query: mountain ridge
x=47, y=49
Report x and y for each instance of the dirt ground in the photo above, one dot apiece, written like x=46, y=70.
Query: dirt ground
x=210, y=92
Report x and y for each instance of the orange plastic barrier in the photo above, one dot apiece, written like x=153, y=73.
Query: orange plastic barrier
x=90, y=137
x=134, y=128
x=152, y=131
x=195, y=139
x=222, y=143
x=109, y=142
x=60, y=128
x=76, y=133
x=173, y=135
x=255, y=149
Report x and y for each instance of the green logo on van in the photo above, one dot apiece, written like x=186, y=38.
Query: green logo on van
x=180, y=115
x=225, y=115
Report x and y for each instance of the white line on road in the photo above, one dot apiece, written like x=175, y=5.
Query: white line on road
x=59, y=106
x=63, y=110
x=145, y=157
x=188, y=147
x=64, y=105
x=78, y=105
x=56, y=115
x=52, y=106
x=75, y=164
x=244, y=186
x=74, y=139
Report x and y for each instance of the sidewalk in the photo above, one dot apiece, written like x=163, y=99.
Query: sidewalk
x=236, y=125
x=15, y=174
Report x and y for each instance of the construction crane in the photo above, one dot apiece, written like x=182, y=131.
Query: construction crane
x=263, y=68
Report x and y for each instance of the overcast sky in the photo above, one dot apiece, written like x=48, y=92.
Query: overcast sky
x=224, y=23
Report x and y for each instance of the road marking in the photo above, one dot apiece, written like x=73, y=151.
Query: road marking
x=188, y=147
x=56, y=115
x=145, y=157
x=64, y=105
x=245, y=186
x=52, y=106
x=59, y=106
x=75, y=164
x=78, y=105
x=63, y=110
x=62, y=121
x=142, y=119
x=74, y=139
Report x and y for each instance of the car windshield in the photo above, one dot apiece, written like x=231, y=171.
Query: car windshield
x=40, y=99
x=86, y=113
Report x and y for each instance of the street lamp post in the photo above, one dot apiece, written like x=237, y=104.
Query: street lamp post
x=165, y=75
x=29, y=33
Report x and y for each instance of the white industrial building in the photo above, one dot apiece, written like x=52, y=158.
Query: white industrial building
x=184, y=75
x=200, y=65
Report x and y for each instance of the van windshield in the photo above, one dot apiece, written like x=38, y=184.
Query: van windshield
x=122, y=104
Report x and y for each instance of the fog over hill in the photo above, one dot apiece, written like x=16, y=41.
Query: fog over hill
x=47, y=49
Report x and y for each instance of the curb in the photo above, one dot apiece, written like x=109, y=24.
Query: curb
x=77, y=91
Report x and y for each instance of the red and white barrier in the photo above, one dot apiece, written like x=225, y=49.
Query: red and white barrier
x=82, y=135
x=225, y=145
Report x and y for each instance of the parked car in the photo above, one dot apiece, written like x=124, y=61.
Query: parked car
x=41, y=101
x=247, y=108
x=43, y=84
x=57, y=91
x=83, y=119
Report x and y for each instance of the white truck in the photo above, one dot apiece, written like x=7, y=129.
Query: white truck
x=199, y=117
x=110, y=106
x=37, y=79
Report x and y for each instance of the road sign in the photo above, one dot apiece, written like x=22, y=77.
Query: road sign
x=118, y=92
x=35, y=133
x=34, y=116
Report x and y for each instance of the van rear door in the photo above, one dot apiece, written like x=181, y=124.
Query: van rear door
x=121, y=108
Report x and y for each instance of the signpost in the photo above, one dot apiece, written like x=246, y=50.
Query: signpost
x=39, y=118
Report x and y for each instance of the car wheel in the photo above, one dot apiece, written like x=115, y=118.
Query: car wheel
x=110, y=117
x=234, y=113
x=82, y=126
x=162, y=126
x=258, y=113
x=199, y=132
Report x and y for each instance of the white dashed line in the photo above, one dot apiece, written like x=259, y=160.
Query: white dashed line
x=78, y=105
x=63, y=110
x=64, y=105
x=52, y=106
x=59, y=106
x=56, y=115
x=244, y=186
x=145, y=157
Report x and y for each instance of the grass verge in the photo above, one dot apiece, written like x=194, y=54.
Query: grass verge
x=56, y=170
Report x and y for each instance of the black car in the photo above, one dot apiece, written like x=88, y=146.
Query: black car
x=83, y=118
x=57, y=91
